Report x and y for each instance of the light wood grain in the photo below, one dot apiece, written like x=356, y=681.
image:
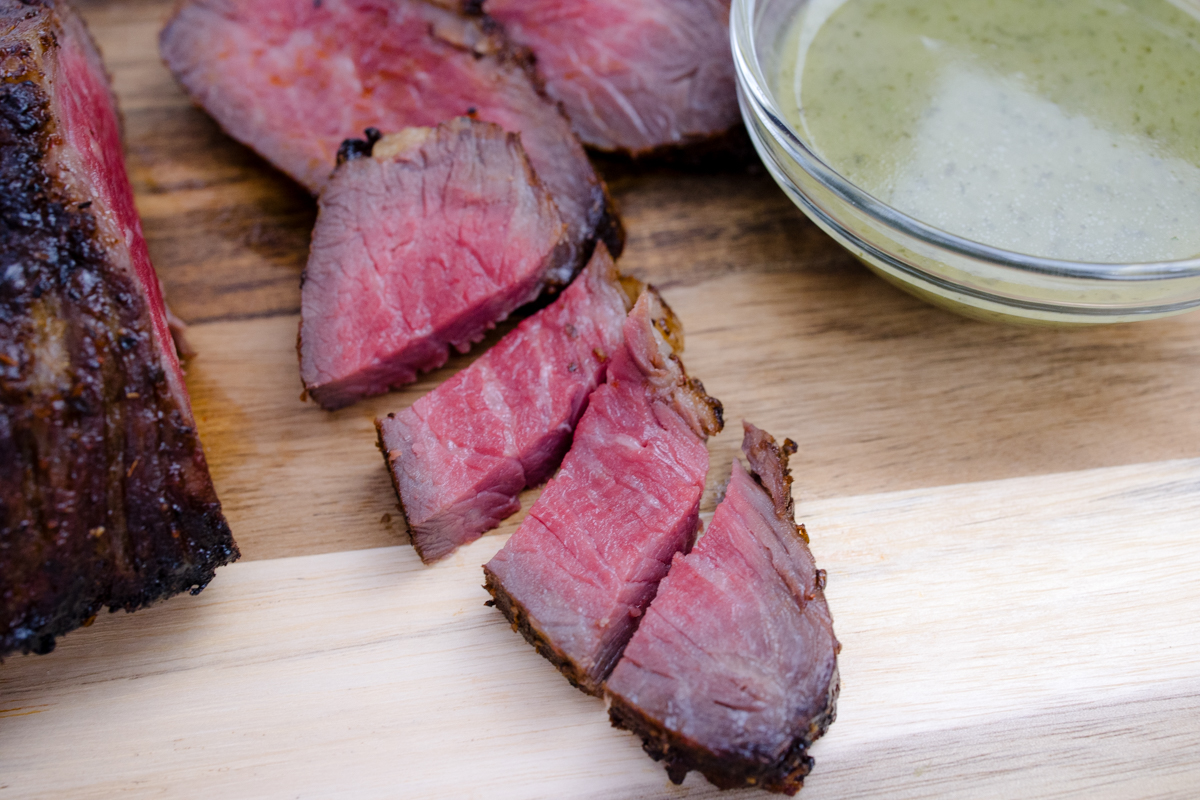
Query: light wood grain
x=1000, y=640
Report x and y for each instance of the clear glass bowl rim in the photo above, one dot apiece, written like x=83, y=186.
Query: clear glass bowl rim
x=745, y=56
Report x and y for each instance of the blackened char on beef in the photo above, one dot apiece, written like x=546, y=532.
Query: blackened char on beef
x=105, y=496
x=584, y=565
x=351, y=149
x=294, y=79
x=423, y=246
x=460, y=456
x=733, y=672
x=633, y=75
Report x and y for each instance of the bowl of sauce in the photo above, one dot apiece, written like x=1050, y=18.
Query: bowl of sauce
x=1034, y=161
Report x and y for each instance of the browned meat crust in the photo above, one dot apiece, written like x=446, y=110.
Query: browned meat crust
x=105, y=497
x=769, y=464
x=680, y=754
x=522, y=624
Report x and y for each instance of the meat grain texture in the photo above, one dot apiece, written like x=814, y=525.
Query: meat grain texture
x=461, y=455
x=733, y=671
x=421, y=246
x=105, y=496
x=295, y=78
x=583, y=566
x=633, y=75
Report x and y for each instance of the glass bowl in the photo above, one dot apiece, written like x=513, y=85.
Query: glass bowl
x=973, y=279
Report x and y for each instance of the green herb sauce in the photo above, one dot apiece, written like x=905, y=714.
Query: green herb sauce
x=1059, y=128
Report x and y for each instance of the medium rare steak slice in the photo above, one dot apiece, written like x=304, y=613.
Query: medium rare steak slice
x=633, y=75
x=295, y=78
x=105, y=497
x=586, y=562
x=421, y=246
x=733, y=671
x=460, y=456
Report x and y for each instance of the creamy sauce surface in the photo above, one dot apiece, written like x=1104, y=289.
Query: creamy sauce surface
x=1060, y=128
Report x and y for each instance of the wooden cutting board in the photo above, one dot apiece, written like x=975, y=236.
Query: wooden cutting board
x=1008, y=516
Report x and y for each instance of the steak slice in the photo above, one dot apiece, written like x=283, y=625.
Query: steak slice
x=586, y=562
x=460, y=456
x=733, y=672
x=294, y=78
x=633, y=75
x=105, y=496
x=422, y=246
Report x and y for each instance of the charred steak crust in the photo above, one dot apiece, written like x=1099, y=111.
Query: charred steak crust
x=681, y=755
x=351, y=149
x=769, y=468
x=383, y=450
x=105, y=498
x=523, y=624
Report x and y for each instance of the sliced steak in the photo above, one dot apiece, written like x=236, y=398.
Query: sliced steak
x=422, y=246
x=633, y=75
x=294, y=78
x=460, y=456
x=105, y=497
x=733, y=671
x=585, y=563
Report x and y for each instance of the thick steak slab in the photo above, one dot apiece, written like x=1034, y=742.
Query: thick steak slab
x=633, y=75
x=105, y=497
x=586, y=562
x=733, y=671
x=422, y=246
x=460, y=456
x=294, y=78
